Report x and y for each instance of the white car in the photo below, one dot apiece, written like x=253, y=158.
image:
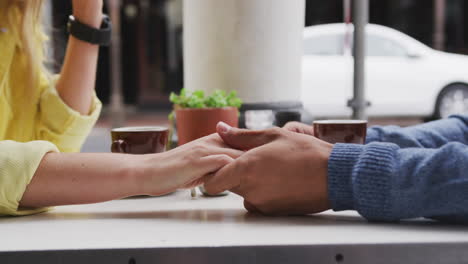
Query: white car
x=403, y=76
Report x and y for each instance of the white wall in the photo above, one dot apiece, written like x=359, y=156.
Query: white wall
x=252, y=46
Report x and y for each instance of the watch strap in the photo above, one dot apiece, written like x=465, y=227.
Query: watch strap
x=83, y=32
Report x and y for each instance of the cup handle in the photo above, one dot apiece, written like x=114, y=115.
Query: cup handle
x=119, y=146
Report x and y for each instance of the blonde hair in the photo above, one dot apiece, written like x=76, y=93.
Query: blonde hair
x=27, y=25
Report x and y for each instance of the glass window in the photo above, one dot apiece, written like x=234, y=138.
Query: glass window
x=380, y=46
x=327, y=45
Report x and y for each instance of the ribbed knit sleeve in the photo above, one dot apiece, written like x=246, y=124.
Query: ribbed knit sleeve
x=340, y=170
x=429, y=135
x=384, y=182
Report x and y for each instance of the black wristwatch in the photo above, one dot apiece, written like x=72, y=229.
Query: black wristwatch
x=81, y=31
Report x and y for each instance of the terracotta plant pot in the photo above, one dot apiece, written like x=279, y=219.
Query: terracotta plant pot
x=194, y=123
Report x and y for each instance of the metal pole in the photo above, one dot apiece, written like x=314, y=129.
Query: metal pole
x=361, y=18
x=439, y=24
x=117, y=105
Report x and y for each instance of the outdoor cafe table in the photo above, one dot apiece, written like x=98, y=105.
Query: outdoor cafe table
x=179, y=229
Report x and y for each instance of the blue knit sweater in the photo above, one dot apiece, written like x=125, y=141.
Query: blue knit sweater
x=419, y=171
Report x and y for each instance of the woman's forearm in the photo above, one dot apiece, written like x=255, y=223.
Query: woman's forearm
x=82, y=178
x=78, y=76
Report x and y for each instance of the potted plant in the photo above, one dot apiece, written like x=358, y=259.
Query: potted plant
x=197, y=114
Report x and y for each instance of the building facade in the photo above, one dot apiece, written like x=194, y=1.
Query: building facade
x=417, y=18
x=152, y=38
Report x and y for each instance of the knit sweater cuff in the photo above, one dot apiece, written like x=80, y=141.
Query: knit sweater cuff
x=372, y=181
x=340, y=170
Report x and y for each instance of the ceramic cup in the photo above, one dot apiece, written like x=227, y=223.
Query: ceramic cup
x=341, y=131
x=139, y=140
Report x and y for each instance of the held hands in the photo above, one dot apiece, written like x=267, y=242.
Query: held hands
x=88, y=12
x=183, y=167
x=281, y=173
x=277, y=171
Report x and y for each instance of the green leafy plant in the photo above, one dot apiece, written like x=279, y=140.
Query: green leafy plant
x=198, y=99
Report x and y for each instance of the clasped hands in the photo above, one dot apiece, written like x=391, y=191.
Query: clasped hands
x=283, y=171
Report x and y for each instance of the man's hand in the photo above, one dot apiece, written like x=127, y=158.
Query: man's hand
x=282, y=172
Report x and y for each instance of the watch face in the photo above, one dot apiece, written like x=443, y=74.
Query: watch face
x=106, y=23
x=71, y=19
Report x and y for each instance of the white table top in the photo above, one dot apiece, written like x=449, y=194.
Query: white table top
x=177, y=220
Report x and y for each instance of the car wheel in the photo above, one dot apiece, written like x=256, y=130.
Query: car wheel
x=452, y=100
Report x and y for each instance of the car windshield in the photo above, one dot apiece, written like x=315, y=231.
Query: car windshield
x=333, y=45
x=380, y=46
x=325, y=45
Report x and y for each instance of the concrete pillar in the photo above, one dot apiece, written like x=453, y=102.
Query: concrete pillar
x=252, y=46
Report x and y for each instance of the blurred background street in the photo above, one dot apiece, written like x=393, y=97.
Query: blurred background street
x=99, y=139
x=413, y=72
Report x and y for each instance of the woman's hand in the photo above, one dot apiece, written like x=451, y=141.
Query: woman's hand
x=185, y=166
x=300, y=128
x=88, y=12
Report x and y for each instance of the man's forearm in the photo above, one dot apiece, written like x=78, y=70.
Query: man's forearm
x=430, y=135
x=386, y=183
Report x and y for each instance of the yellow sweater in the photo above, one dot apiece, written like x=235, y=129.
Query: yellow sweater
x=33, y=122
